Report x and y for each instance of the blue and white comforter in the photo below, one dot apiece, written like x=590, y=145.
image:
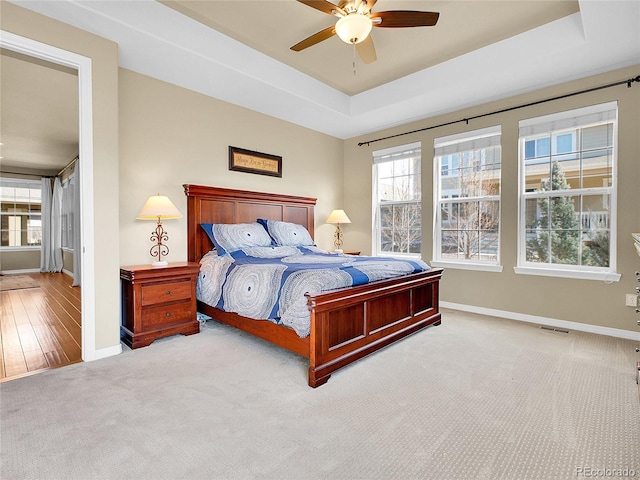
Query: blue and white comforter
x=269, y=283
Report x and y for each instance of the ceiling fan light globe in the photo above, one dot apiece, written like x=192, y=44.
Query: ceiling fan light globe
x=353, y=28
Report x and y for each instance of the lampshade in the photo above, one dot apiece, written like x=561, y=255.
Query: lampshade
x=338, y=216
x=158, y=206
x=353, y=28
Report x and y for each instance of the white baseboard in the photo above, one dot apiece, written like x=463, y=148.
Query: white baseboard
x=552, y=322
x=33, y=270
x=25, y=270
x=105, y=352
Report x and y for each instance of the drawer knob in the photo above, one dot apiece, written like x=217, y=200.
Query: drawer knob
x=168, y=314
x=168, y=292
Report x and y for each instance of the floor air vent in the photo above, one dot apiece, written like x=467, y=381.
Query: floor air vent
x=554, y=329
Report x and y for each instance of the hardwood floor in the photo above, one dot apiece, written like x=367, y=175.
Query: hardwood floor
x=39, y=327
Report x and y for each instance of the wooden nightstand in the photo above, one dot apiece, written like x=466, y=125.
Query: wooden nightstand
x=158, y=302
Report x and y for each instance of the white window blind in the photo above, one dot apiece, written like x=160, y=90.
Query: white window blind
x=602, y=113
x=461, y=142
x=403, y=152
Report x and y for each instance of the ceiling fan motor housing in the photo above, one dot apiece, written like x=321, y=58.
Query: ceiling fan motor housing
x=353, y=28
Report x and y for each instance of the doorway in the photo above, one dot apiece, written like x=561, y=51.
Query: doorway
x=82, y=65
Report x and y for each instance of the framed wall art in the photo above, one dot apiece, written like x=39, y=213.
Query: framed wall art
x=242, y=160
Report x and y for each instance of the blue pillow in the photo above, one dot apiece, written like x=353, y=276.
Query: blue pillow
x=263, y=222
x=287, y=234
x=229, y=237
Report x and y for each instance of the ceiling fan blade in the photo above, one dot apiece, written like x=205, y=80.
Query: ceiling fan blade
x=315, y=38
x=324, y=6
x=404, y=18
x=367, y=50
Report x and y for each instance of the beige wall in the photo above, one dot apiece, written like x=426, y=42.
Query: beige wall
x=583, y=301
x=24, y=260
x=67, y=261
x=30, y=260
x=104, y=57
x=170, y=136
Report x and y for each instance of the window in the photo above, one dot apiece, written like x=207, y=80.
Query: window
x=20, y=219
x=467, y=199
x=397, y=201
x=568, y=192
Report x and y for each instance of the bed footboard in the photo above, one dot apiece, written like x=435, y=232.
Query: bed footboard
x=348, y=324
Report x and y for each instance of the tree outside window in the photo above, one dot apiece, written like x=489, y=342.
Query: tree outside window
x=568, y=190
x=468, y=197
x=560, y=232
x=398, y=200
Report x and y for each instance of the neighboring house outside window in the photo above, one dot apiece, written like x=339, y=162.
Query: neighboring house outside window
x=568, y=194
x=20, y=214
x=467, y=171
x=397, y=201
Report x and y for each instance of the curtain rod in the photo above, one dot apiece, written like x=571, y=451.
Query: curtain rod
x=27, y=174
x=71, y=163
x=628, y=82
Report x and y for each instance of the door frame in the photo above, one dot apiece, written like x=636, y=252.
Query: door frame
x=82, y=64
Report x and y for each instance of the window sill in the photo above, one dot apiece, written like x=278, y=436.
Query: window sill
x=607, y=277
x=20, y=249
x=399, y=256
x=480, y=267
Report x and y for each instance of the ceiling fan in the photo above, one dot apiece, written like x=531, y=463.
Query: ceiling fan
x=355, y=21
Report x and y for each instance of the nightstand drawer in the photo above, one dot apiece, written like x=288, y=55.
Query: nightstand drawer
x=166, y=292
x=166, y=315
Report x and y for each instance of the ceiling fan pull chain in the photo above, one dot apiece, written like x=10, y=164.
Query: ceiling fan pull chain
x=354, y=59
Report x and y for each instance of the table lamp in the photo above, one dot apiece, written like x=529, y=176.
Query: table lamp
x=158, y=207
x=338, y=217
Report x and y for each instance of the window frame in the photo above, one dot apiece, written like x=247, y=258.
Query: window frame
x=445, y=147
x=22, y=183
x=384, y=156
x=556, y=124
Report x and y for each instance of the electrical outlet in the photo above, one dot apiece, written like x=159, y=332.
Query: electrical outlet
x=632, y=300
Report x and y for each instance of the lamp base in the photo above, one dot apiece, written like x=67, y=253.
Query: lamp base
x=160, y=264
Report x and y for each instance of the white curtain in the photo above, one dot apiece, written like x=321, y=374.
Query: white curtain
x=77, y=246
x=56, y=225
x=46, y=249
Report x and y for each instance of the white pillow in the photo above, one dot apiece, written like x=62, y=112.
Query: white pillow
x=288, y=234
x=229, y=237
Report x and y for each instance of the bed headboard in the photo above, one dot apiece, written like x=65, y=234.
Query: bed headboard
x=224, y=205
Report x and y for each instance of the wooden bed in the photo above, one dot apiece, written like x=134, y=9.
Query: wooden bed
x=346, y=324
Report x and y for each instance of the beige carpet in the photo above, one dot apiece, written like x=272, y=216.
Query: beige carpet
x=16, y=282
x=475, y=398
